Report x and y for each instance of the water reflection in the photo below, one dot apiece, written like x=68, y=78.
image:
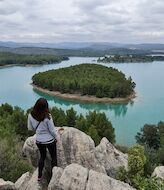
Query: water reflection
x=119, y=109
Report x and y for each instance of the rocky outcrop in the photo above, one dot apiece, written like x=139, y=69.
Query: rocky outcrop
x=101, y=181
x=81, y=165
x=22, y=182
x=31, y=151
x=54, y=183
x=29, y=182
x=77, y=147
x=76, y=177
x=111, y=158
x=6, y=185
x=159, y=172
x=33, y=183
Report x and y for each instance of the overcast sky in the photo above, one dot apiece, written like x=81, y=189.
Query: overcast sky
x=122, y=21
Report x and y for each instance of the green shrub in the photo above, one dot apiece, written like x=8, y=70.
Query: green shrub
x=135, y=175
x=136, y=160
x=12, y=166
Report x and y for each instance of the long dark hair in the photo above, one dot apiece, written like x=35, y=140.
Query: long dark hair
x=40, y=110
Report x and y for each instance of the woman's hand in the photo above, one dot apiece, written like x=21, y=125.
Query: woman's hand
x=61, y=130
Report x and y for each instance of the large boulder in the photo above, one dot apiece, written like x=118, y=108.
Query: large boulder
x=72, y=142
x=75, y=146
x=54, y=183
x=159, y=172
x=111, y=158
x=6, y=185
x=22, y=182
x=33, y=183
x=76, y=177
x=101, y=181
x=30, y=182
x=31, y=151
x=72, y=177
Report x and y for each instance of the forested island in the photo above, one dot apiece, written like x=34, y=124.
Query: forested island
x=7, y=58
x=86, y=80
x=130, y=58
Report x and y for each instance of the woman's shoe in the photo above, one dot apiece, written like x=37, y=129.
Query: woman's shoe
x=39, y=179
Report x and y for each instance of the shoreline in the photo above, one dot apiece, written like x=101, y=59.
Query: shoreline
x=20, y=65
x=28, y=65
x=25, y=65
x=85, y=98
x=8, y=65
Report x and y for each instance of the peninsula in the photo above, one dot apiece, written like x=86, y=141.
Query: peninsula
x=130, y=58
x=7, y=58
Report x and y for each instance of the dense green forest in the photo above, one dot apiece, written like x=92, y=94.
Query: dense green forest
x=86, y=79
x=130, y=58
x=7, y=58
x=13, y=132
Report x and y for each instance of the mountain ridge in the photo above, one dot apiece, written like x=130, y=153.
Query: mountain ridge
x=84, y=45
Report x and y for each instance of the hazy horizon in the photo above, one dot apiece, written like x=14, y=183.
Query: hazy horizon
x=52, y=21
x=58, y=42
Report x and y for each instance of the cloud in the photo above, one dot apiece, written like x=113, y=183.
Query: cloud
x=125, y=21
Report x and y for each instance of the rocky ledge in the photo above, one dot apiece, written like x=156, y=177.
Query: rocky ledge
x=159, y=172
x=81, y=165
x=75, y=146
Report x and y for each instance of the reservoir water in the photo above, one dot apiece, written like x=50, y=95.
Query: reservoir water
x=127, y=119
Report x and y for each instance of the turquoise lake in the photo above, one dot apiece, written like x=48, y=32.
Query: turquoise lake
x=127, y=119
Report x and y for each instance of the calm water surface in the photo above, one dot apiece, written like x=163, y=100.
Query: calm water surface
x=127, y=119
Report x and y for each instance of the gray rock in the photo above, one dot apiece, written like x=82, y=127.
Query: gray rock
x=76, y=177
x=6, y=185
x=56, y=175
x=159, y=172
x=72, y=143
x=89, y=160
x=110, y=157
x=22, y=182
x=77, y=147
x=33, y=183
x=101, y=181
x=31, y=151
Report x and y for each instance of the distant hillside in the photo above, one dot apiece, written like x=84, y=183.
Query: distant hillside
x=85, y=45
x=147, y=46
x=82, y=49
x=8, y=58
x=89, y=52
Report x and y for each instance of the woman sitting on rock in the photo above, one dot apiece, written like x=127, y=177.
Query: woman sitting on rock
x=41, y=121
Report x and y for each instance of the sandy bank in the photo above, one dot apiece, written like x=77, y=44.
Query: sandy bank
x=85, y=98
